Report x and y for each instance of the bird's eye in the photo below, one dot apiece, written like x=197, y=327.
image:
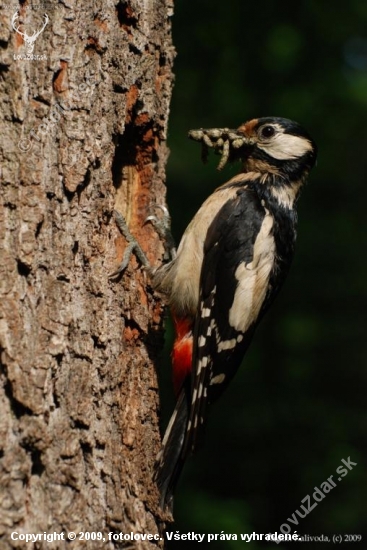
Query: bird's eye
x=267, y=132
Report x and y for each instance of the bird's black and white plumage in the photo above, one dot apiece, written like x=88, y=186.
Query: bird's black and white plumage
x=232, y=260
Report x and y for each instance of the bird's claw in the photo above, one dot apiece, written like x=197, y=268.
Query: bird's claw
x=161, y=224
x=133, y=246
x=163, y=227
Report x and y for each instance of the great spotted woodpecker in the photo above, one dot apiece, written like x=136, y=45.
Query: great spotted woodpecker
x=231, y=262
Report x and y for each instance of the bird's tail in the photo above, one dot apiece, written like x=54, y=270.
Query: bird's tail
x=171, y=459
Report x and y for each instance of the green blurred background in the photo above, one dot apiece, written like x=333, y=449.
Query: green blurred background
x=297, y=406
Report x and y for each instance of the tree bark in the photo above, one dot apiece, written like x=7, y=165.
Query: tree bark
x=82, y=133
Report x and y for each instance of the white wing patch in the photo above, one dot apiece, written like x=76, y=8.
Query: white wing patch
x=201, y=341
x=181, y=280
x=219, y=379
x=253, y=279
x=227, y=344
x=286, y=147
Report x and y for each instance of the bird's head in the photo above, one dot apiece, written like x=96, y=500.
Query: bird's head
x=277, y=146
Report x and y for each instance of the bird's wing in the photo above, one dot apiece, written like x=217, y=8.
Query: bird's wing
x=239, y=254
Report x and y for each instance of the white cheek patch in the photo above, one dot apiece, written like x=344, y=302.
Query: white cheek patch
x=286, y=147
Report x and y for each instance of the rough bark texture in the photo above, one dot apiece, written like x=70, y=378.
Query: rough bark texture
x=82, y=132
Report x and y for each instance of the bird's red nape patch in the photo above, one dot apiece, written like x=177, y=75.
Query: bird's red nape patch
x=182, y=352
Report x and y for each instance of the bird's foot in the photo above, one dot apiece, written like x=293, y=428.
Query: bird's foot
x=133, y=246
x=163, y=227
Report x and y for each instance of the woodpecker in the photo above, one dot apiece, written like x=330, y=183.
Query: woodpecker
x=231, y=263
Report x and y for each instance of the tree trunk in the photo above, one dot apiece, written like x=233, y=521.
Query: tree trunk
x=83, y=132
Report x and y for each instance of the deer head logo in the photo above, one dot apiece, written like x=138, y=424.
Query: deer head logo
x=29, y=40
